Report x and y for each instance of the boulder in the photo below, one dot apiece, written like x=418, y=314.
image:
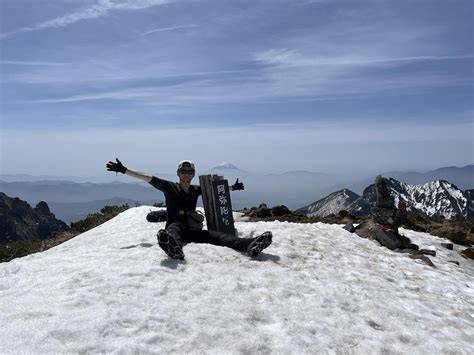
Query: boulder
x=468, y=253
x=343, y=213
x=449, y=246
x=413, y=246
x=455, y=234
x=366, y=229
x=428, y=252
x=280, y=210
x=387, y=238
x=349, y=227
x=263, y=212
x=419, y=256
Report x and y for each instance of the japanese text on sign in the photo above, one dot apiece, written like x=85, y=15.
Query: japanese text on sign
x=224, y=210
x=220, y=189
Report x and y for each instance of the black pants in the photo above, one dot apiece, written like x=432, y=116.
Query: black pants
x=183, y=235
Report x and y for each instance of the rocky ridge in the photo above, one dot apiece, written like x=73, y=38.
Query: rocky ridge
x=436, y=199
x=19, y=221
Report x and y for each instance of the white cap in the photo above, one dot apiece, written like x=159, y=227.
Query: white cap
x=186, y=164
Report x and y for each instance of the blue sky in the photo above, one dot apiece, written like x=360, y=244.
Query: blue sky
x=330, y=86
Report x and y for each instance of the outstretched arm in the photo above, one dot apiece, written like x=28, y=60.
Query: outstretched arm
x=237, y=186
x=118, y=167
x=136, y=174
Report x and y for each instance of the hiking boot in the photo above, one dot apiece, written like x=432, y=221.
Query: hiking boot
x=259, y=243
x=170, y=245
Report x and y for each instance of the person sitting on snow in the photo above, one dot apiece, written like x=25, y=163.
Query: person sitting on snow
x=181, y=199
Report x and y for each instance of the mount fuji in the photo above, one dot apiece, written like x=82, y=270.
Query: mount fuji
x=225, y=166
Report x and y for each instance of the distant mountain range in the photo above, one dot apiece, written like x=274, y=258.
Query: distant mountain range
x=78, y=179
x=75, y=211
x=436, y=198
x=70, y=200
x=462, y=177
x=71, y=192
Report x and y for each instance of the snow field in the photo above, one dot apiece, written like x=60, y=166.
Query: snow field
x=316, y=289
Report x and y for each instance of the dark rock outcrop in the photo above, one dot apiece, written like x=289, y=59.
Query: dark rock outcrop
x=284, y=214
x=263, y=212
x=43, y=208
x=448, y=246
x=280, y=210
x=420, y=256
x=468, y=253
x=454, y=234
x=349, y=227
x=458, y=229
x=19, y=221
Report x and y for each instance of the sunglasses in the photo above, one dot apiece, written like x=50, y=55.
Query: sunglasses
x=186, y=172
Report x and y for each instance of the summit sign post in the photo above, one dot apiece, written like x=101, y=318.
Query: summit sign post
x=217, y=204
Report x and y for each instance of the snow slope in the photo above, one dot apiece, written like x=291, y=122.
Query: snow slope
x=317, y=289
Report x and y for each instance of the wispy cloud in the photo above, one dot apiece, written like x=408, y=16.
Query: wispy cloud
x=165, y=29
x=275, y=85
x=242, y=64
x=30, y=63
x=109, y=95
x=275, y=124
x=289, y=57
x=102, y=8
x=83, y=73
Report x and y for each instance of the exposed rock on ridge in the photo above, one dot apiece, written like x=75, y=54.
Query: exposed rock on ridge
x=436, y=198
x=19, y=221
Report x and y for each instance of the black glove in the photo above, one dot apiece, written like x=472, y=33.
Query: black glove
x=238, y=185
x=117, y=167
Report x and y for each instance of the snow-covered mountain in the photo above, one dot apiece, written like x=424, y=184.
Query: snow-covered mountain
x=225, y=166
x=331, y=204
x=316, y=289
x=436, y=198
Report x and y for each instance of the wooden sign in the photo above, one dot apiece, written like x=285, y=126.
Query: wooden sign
x=217, y=204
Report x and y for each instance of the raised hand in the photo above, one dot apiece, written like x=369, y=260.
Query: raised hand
x=238, y=185
x=117, y=167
